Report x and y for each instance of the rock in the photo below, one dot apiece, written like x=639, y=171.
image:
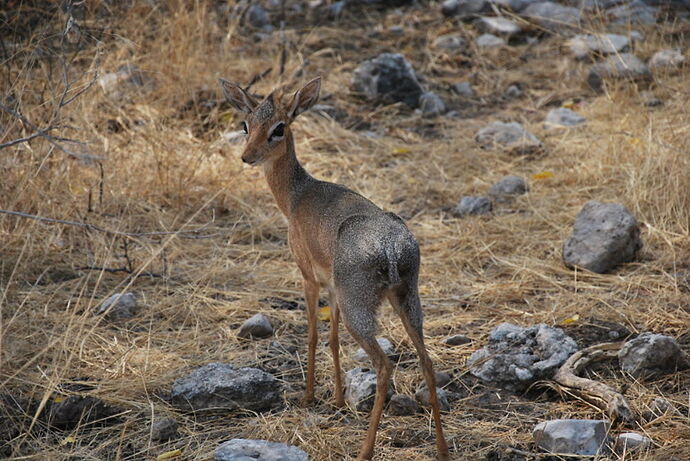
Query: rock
x=402, y=405
x=666, y=58
x=473, y=205
x=572, y=436
x=388, y=77
x=431, y=104
x=660, y=406
x=489, y=41
x=257, y=326
x=618, y=66
x=511, y=136
x=498, y=26
x=463, y=89
x=360, y=354
x=563, y=117
x=631, y=441
x=650, y=354
x=514, y=5
x=257, y=17
x=455, y=42
x=513, y=91
x=222, y=386
x=464, y=8
x=257, y=450
x=604, y=236
x=119, y=306
x=508, y=187
x=397, y=30
x=552, y=16
x=456, y=340
x=360, y=388
x=516, y=357
x=335, y=10
x=77, y=410
x=127, y=79
x=585, y=44
x=633, y=12
x=164, y=429
x=442, y=378
x=422, y=396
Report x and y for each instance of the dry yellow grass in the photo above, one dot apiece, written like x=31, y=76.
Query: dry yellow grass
x=163, y=171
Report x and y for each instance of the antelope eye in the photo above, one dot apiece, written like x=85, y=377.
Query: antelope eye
x=278, y=132
x=245, y=128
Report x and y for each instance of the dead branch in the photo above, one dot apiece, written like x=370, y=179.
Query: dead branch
x=599, y=394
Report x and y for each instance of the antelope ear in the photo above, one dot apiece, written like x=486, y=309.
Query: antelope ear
x=305, y=98
x=236, y=96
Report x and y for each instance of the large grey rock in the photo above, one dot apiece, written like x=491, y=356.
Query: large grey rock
x=652, y=353
x=402, y=405
x=511, y=136
x=451, y=42
x=498, y=26
x=666, y=58
x=464, y=8
x=553, y=16
x=164, y=429
x=516, y=357
x=360, y=354
x=633, y=12
x=222, y=386
x=489, y=41
x=629, y=442
x=585, y=44
x=473, y=205
x=604, y=236
x=423, y=397
x=617, y=67
x=463, y=89
x=572, y=436
x=360, y=388
x=563, y=117
x=256, y=326
x=257, y=450
x=388, y=77
x=508, y=187
x=119, y=306
x=431, y=104
x=456, y=340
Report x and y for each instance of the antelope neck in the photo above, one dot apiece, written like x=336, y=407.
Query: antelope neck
x=285, y=176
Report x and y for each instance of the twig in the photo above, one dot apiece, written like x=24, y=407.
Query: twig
x=256, y=78
x=114, y=270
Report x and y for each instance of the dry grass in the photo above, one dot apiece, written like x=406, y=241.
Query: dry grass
x=165, y=170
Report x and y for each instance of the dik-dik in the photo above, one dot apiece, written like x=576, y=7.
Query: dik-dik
x=342, y=242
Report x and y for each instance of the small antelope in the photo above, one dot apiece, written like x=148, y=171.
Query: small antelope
x=343, y=242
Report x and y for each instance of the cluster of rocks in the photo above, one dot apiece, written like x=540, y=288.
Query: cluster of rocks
x=503, y=191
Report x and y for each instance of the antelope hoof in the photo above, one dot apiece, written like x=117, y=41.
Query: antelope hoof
x=307, y=401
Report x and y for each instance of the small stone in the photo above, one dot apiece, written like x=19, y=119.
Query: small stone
x=335, y=10
x=257, y=326
x=360, y=388
x=222, y=386
x=511, y=136
x=604, y=236
x=423, y=397
x=119, y=306
x=618, y=66
x=650, y=354
x=563, y=117
x=666, y=58
x=489, y=41
x=513, y=91
x=464, y=8
x=360, y=354
x=431, y=104
x=572, y=436
x=585, y=44
x=78, y=409
x=442, y=378
x=633, y=12
x=628, y=442
x=498, y=26
x=388, y=77
x=456, y=340
x=402, y=405
x=454, y=42
x=473, y=205
x=552, y=16
x=258, y=450
x=463, y=89
x=164, y=429
x=397, y=30
x=508, y=187
x=127, y=79
x=257, y=16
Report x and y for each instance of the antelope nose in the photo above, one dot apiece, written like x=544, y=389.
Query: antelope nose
x=244, y=159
